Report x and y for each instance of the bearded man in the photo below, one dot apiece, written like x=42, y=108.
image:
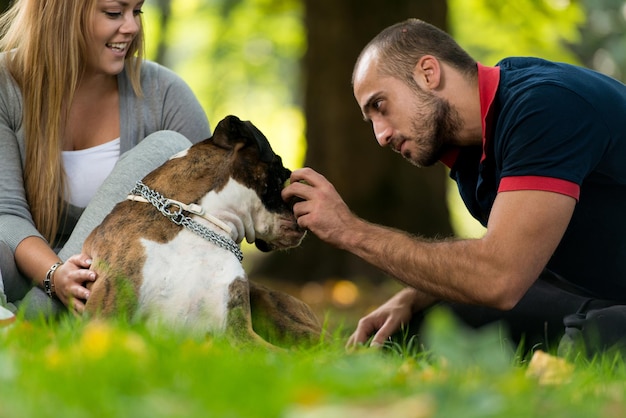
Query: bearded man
x=538, y=151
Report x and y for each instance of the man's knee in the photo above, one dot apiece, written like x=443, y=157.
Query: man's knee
x=594, y=331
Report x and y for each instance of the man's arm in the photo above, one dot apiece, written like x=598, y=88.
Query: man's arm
x=496, y=270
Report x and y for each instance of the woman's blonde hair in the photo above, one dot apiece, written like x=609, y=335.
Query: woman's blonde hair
x=47, y=41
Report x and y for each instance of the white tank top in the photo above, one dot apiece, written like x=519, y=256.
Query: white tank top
x=86, y=170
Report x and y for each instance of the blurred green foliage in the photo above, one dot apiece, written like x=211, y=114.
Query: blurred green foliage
x=493, y=29
x=602, y=44
x=240, y=57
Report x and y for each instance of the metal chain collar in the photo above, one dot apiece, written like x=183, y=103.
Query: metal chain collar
x=172, y=209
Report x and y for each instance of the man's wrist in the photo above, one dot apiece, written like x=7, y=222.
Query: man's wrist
x=416, y=299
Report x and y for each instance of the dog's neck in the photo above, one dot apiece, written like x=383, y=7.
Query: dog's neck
x=175, y=210
x=234, y=205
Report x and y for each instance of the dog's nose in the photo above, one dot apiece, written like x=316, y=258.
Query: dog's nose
x=263, y=246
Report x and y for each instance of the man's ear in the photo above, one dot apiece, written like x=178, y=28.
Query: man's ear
x=427, y=73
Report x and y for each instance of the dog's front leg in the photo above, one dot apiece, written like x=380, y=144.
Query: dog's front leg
x=239, y=319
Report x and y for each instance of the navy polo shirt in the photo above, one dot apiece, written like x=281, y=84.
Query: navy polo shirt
x=559, y=128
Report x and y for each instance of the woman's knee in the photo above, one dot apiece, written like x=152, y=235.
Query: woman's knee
x=160, y=145
x=15, y=285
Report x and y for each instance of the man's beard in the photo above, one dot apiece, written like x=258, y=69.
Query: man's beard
x=436, y=135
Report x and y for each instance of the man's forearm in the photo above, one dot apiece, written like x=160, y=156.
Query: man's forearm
x=445, y=269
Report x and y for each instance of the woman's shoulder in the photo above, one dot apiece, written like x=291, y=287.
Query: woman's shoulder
x=151, y=71
x=10, y=94
x=5, y=75
x=154, y=78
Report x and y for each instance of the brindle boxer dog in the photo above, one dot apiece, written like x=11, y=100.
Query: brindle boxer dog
x=170, y=254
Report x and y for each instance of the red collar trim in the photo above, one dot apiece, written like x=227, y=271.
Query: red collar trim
x=488, y=81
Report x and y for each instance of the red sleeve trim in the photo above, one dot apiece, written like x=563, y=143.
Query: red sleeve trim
x=548, y=184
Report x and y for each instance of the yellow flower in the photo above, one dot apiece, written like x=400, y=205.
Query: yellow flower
x=53, y=357
x=96, y=340
x=134, y=344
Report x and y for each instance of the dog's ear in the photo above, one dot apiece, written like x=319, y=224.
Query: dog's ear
x=231, y=133
x=265, y=150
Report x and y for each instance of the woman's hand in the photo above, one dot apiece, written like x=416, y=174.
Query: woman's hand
x=69, y=282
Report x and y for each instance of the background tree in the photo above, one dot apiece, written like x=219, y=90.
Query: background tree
x=602, y=44
x=377, y=184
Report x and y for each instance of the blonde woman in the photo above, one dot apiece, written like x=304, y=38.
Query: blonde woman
x=82, y=117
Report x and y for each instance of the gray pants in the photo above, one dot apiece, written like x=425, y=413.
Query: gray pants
x=135, y=164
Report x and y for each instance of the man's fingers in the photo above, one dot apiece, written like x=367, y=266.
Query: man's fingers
x=297, y=190
x=384, y=333
x=379, y=339
x=357, y=337
x=306, y=175
x=365, y=328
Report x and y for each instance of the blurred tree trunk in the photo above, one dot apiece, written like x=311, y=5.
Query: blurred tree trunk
x=165, y=8
x=601, y=46
x=376, y=183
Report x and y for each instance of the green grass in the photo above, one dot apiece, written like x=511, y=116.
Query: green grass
x=72, y=368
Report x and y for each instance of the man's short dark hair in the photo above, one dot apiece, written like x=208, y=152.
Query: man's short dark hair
x=399, y=47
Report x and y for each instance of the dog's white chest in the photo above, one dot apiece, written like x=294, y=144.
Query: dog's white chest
x=185, y=283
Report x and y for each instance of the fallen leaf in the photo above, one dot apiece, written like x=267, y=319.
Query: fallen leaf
x=548, y=369
x=414, y=407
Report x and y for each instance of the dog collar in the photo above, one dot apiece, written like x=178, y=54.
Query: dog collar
x=173, y=210
x=191, y=208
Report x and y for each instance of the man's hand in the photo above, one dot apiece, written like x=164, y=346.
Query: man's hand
x=321, y=210
x=387, y=319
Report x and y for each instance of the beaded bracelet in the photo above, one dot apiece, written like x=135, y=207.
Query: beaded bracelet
x=48, y=283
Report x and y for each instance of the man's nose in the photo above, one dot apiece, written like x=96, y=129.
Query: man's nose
x=382, y=131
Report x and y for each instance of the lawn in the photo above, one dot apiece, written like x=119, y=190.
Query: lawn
x=72, y=368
